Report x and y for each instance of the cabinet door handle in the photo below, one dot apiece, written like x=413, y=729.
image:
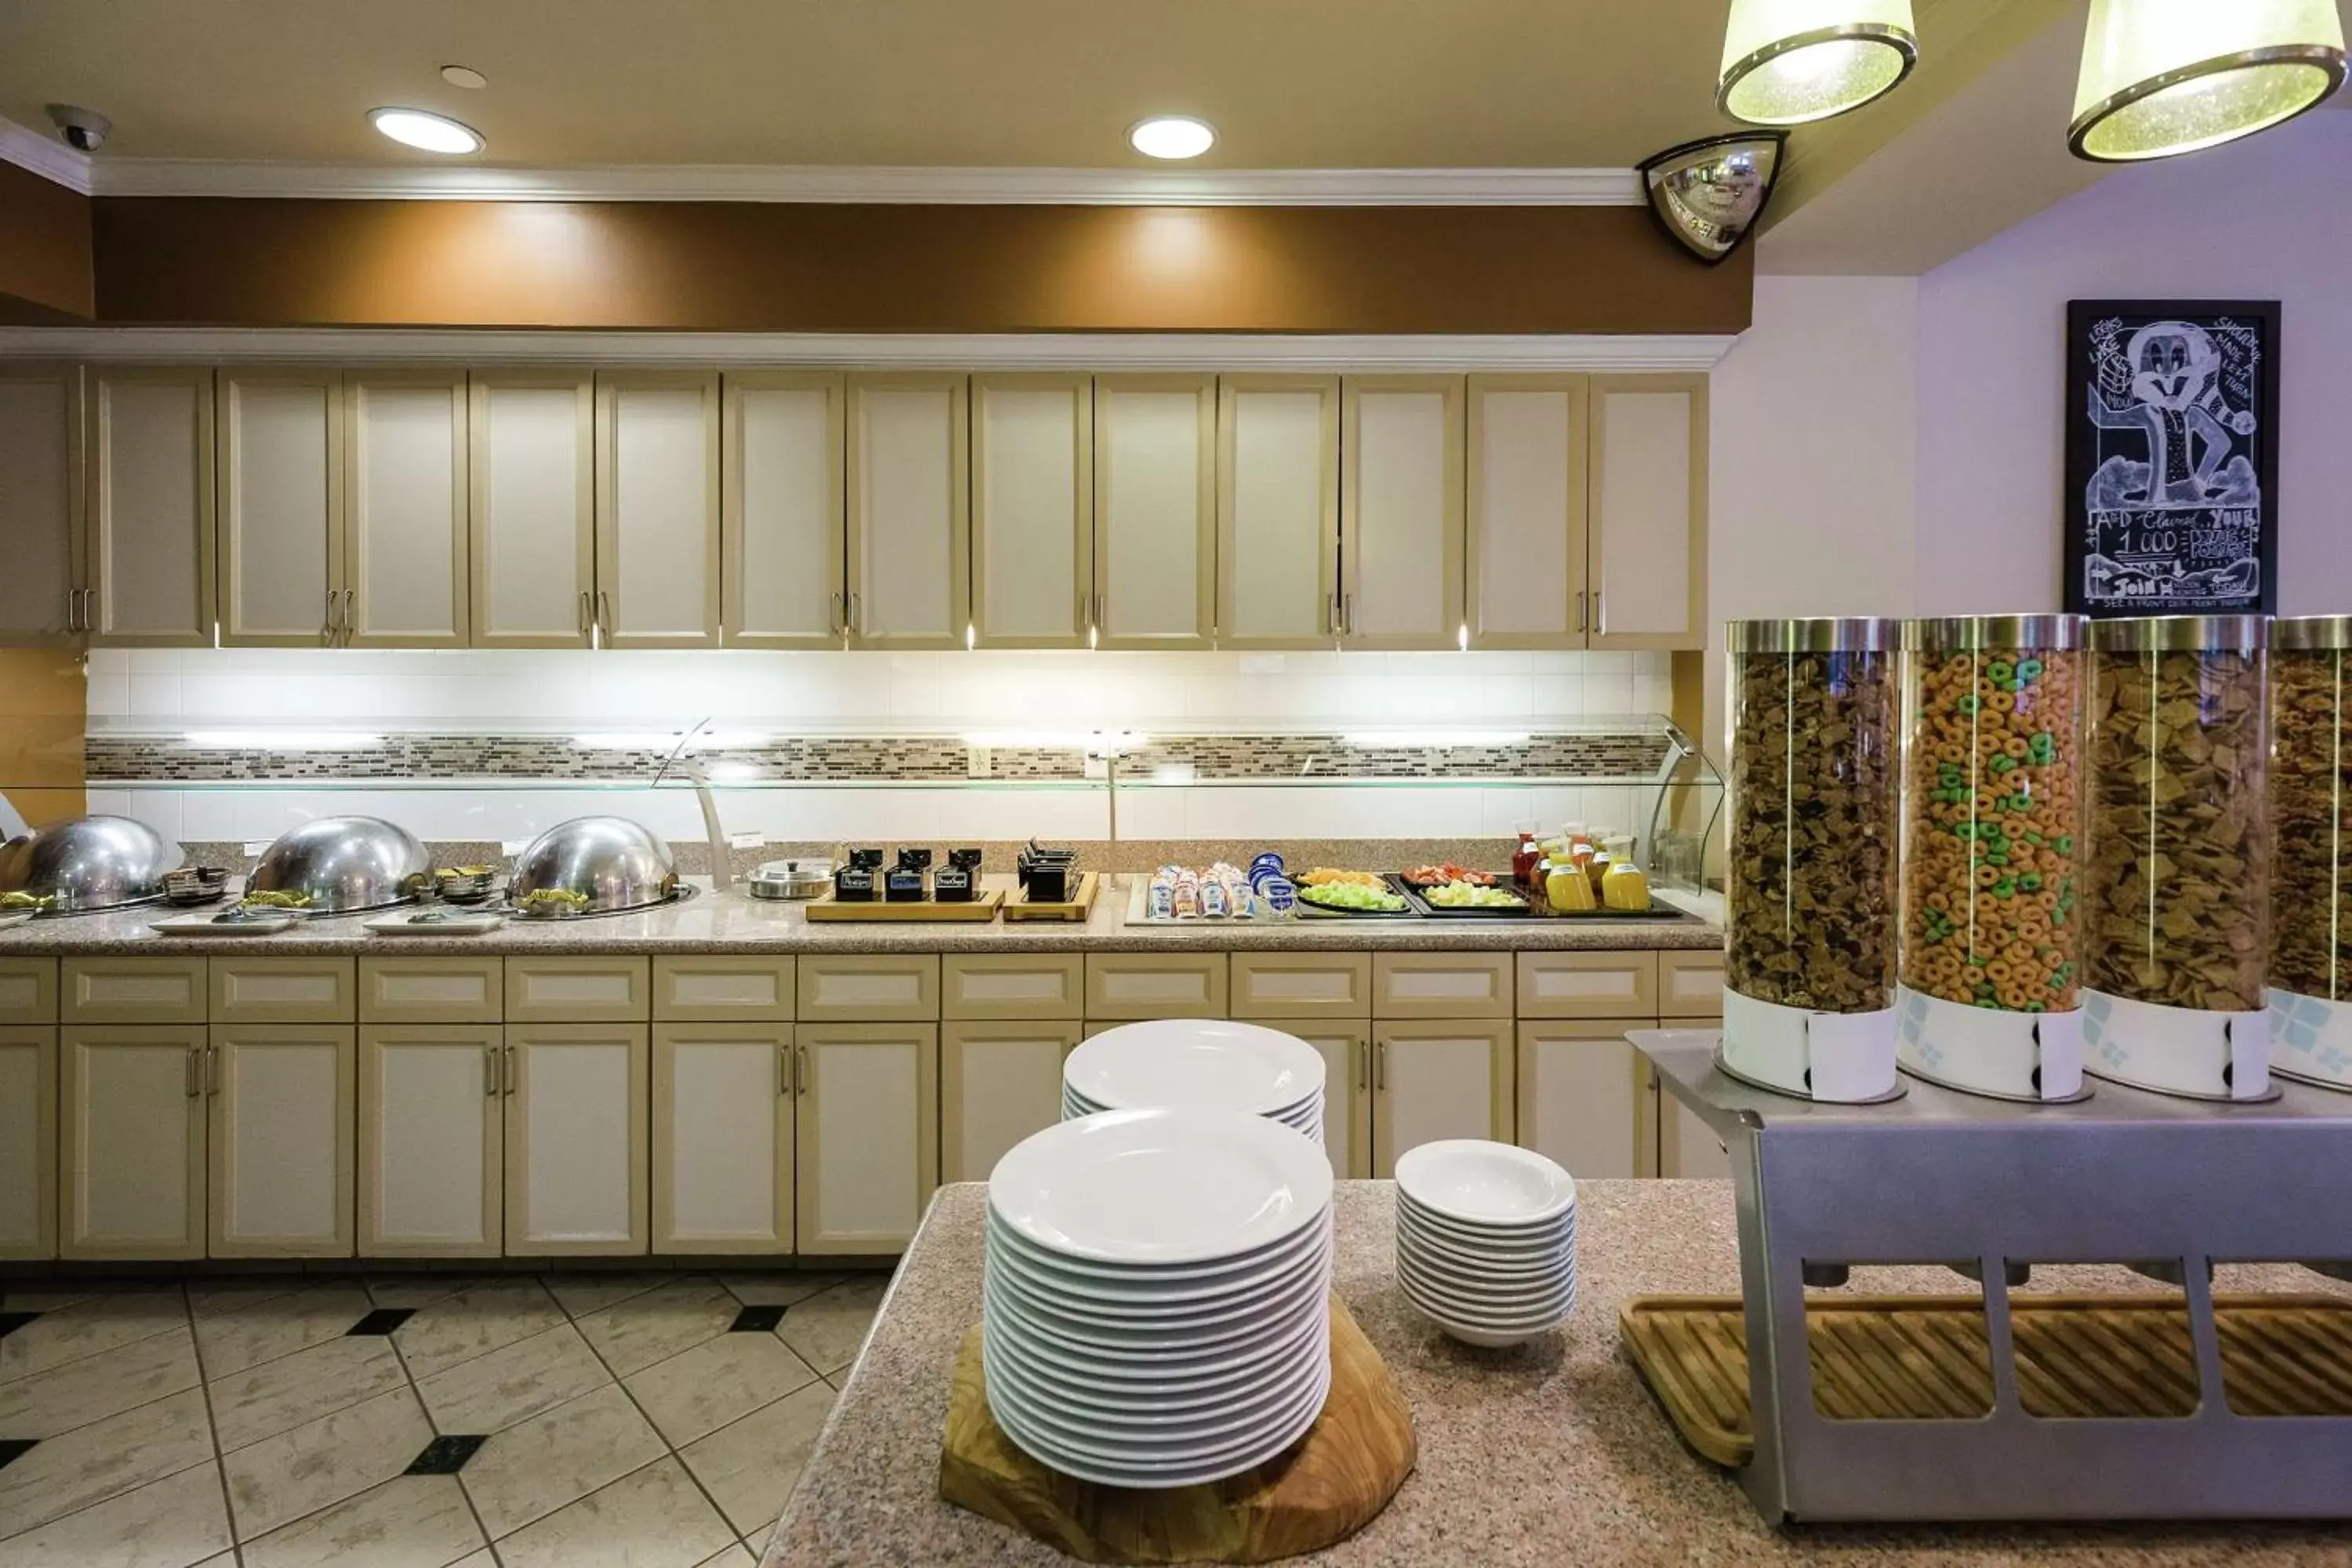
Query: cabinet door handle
x=587, y=609
x=605, y=615
x=1580, y=610
x=90, y=609
x=1600, y=621
x=1363, y=1053
x=348, y=593
x=189, y=1073
x=1380, y=1068
x=211, y=1069
x=489, y=1072
x=73, y=610
x=801, y=1076
x=857, y=614
x=507, y=1073
x=1348, y=615
x=784, y=1072
x=835, y=620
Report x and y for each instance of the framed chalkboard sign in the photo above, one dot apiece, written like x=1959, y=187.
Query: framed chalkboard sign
x=2171, y=456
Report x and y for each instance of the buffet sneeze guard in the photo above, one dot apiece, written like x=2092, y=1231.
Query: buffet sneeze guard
x=2125, y=1176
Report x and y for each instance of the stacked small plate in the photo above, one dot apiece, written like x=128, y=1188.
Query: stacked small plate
x=1202, y=1064
x=1486, y=1240
x=1155, y=1308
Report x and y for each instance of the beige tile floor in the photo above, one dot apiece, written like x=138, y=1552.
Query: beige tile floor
x=238, y=1422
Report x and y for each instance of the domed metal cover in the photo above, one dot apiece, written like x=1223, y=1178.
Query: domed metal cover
x=88, y=863
x=343, y=865
x=593, y=866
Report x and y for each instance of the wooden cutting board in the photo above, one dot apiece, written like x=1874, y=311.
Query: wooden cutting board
x=1020, y=908
x=980, y=909
x=1328, y=1485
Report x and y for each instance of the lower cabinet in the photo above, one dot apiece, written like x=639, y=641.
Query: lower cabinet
x=999, y=1082
x=432, y=1135
x=867, y=1126
x=282, y=1099
x=576, y=1125
x=1439, y=1078
x=28, y=1141
x=1585, y=1098
x=722, y=1137
x=132, y=1140
x=1687, y=1146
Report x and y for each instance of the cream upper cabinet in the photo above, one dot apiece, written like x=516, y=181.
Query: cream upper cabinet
x=131, y=1144
x=781, y=510
x=722, y=1137
x=532, y=451
x=431, y=1135
x=1278, y=511
x=151, y=506
x=868, y=1133
x=1439, y=1079
x=1648, y=552
x=41, y=477
x=1527, y=511
x=1400, y=495
x=28, y=1141
x=657, y=508
x=909, y=511
x=1155, y=511
x=1585, y=1099
x=281, y=507
x=407, y=518
x=283, y=1117
x=1033, y=506
x=999, y=1082
x=576, y=1138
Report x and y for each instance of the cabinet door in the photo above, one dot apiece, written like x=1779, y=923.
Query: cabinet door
x=431, y=1134
x=283, y=1112
x=1155, y=511
x=1346, y=1052
x=722, y=1148
x=281, y=507
x=1278, y=511
x=1401, y=540
x=133, y=1131
x=151, y=520
x=29, y=1142
x=657, y=508
x=1585, y=1099
x=575, y=1135
x=1648, y=552
x=782, y=511
x=1527, y=513
x=999, y=1082
x=407, y=520
x=868, y=1133
x=532, y=456
x=1438, y=1079
x=1032, y=510
x=41, y=502
x=909, y=511
x=1686, y=1145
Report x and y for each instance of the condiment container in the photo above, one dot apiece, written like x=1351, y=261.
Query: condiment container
x=860, y=879
x=908, y=882
x=957, y=882
x=1993, y=847
x=2176, y=941
x=1814, y=712
x=2311, y=860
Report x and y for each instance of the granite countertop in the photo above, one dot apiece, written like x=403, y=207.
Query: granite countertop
x=730, y=922
x=1547, y=1454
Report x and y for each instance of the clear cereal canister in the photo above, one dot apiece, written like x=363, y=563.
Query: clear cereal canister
x=1815, y=707
x=1993, y=832
x=2311, y=866
x=2176, y=938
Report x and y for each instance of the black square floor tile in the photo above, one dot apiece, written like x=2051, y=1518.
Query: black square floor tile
x=11, y=1321
x=15, y=1448
x=382, y=1320
x=756, y=1320
x=445, y=1456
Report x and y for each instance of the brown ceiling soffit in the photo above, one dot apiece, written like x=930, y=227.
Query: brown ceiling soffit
x=777, y=268
x=45, y=251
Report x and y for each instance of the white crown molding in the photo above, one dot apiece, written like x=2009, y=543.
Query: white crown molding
x=1071, y=350
x=44, y=155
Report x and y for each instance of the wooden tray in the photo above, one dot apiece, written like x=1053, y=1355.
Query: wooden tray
x=1081, y=908
x=1328, y=1485
x=1925, y=1358
x=979, y=911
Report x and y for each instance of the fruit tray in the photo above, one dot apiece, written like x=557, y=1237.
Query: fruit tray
x=1427, y=910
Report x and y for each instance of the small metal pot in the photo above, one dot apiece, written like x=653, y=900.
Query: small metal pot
x=791, y=879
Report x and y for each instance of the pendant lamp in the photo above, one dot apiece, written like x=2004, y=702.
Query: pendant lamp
x=1788, y=62
x=2165, y=77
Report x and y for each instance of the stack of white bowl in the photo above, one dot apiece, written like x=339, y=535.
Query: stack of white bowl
x=1486, y=1240
x=1155, y=1304
x=1202, y=1063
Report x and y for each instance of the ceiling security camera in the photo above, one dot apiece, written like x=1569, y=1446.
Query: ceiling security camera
x=84, y=129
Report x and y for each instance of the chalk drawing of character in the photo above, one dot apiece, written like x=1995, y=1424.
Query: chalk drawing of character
x=2177, y=406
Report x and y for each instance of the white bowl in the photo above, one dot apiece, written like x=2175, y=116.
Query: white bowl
x=1480, y=1254
x=1484, y=1184
x=1457, y=1314
x=1463, y=1276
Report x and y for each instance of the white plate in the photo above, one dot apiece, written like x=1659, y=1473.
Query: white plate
x=1309, y=1109
x=1117, y=1322
x=1490, y=1339
x=1130, y=1366
x=208, y=925
x=1147, y=1397
x=1205, y=1424
x=411, y=923
x=1141, y=1308
x=1088, y=1462
x=1160, y=1186
x=1119, y=1278
x=1115, y=1341
x=22, y=917
x=1205, y=1063
x=1132, y=1287
x=1484, y=1183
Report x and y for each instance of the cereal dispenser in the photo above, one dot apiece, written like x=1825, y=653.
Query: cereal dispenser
x=1809, y=1006
x=1993, y=835
x=2311, y=864
x=2175, y=940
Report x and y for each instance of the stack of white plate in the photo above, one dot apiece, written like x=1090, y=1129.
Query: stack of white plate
x=1155, y=1307
x=1201, y=1064
x=1486, y=1240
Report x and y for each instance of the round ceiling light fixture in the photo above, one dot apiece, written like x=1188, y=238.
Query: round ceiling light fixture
x=426, y=130
x=2161, y=77
x=1790, y=62
x=1171, y=136
x=465, y=76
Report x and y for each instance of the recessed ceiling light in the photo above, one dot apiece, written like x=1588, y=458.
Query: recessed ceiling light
x=431, y=132
x=1171, y=136
x=465, y=76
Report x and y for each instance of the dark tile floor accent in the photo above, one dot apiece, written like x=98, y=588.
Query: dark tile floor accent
x=756, y=1320
x=445, y=1456
x=382, y=1320
x=15, y=1448
x=11, y=1321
